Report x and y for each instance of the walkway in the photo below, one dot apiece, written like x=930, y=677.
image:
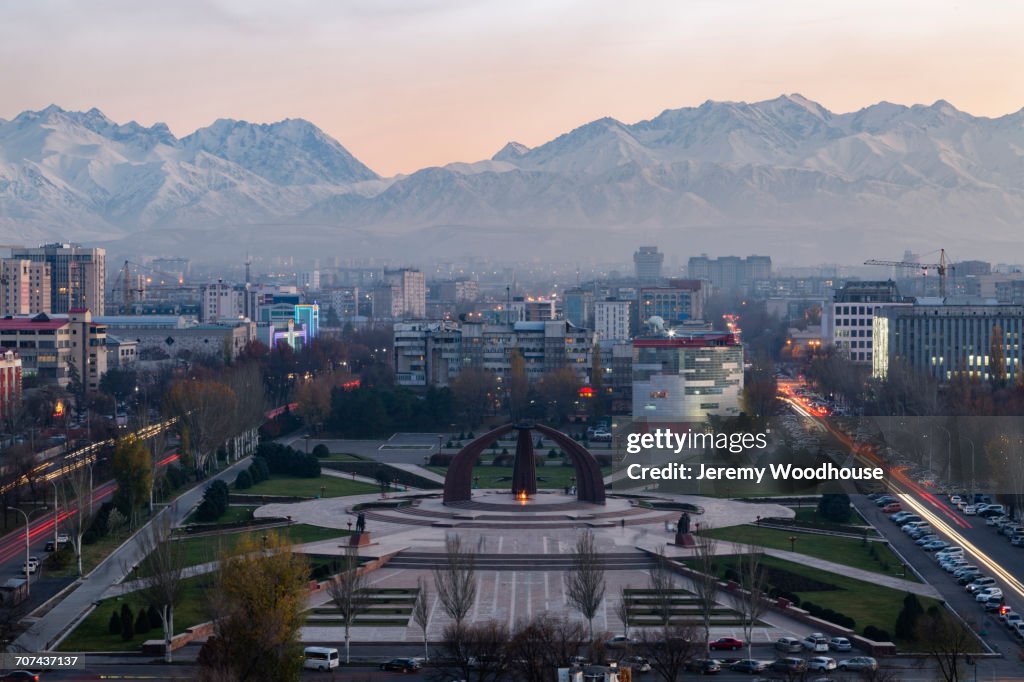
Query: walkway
x=41, y=635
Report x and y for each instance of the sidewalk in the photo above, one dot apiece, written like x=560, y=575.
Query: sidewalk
x=419, y=471
x=113, y=569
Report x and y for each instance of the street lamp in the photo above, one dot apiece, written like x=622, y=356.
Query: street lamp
x=56, y=509
x=28, y=576
x=792, y=543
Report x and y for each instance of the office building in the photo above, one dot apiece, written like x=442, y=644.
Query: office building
x=177, y=336
x=612, y=321
x=222, y=301
x=50, y=345
x=686, y=377
x=77, y=275
x=681, y=300
x=947, y=340
x=647, y=262
x=24, y=287
x=578, y=307
x=307, y=315
x=848, y=320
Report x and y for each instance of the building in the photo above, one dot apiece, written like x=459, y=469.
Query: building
x=24, y=287
x=687, y=377
x=412, y=293
x=530, y=309
x=387, y=302
x=10, y=383
x=50, y=345
x=612, y=320
x=578, y=307
x=848, y=320
x=307, y=315
x=730, y=273
x=222, y=301
x=170, y=336
x=456, y=290
x=121, y=352
x=681, y=300
x=433, y=353
x=647, y=262
x=308, y=281
x=947, y=340
x=77, y=275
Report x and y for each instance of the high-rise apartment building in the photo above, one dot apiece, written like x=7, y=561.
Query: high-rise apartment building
x=848, y=321
x=77, y=275
x=647, y=261
x=612, y=321
x=412, y=288
x=730, y=273
x=24, y=287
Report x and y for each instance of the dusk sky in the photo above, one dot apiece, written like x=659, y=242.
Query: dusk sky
x=405, y=84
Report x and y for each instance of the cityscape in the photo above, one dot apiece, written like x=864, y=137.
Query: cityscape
x=470, y=342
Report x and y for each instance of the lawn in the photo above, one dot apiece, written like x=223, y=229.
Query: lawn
x=92, y=634
x=310, y=487
x=92, y=555
x=811, y=515
x=208, y=548
x=866, y=603
x=342, y=457
x=846, y=551
x=235, y=514
x=550, y=477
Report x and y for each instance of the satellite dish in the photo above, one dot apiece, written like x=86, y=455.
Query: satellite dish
x=656, y=323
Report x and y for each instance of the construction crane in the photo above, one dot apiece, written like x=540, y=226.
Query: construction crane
x=941, y=268
x=132, y=287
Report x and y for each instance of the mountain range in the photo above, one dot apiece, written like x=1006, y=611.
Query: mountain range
x=785, y=177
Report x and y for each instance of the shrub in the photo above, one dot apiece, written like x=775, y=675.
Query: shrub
x=835, y=507
x=127, y=623
x=244, y=480
x=259, y=470
x=321, y=451
x=215, y=502
x=142, y=624
x=114, y=627
x=876, y=634
x=440, y=460
x=154, y=617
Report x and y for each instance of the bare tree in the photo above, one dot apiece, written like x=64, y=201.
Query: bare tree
x=662, y=588
x=584, y=582
x=348, y=592
x=622, y=609
x=544, y=644
x=668, y=649
x=749, y=600
x=946, y=641
x=705, y=582
x=162, y=570
x=421, y=611
x=477, y=652
x=456, y=581
x=76, y=489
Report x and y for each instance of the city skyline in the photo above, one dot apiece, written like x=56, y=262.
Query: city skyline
x=408, y=86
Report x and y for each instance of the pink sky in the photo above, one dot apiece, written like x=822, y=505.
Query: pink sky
x=405, y=84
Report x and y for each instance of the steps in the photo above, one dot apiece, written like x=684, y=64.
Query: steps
x=522, y=562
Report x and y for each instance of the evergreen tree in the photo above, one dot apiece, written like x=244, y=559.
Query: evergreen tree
x=906, y=621
x=115, y=623
x=127, y=623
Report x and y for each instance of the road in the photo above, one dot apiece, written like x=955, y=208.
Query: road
x=982, y=545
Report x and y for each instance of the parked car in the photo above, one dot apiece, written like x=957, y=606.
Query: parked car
x=788, y=645
x=21, y=676
x=840, y=644
x=748, y=665
x=988, y=593
x=821, y=664
x=789, y=665
x=620, y=642
x=704, y=666
x=858, y=664
x=934, y=545
x=1012, y=619
x=981, y=583
x=892, y=507
x=637, y=663
x=970, y=510
x=726, y=644
x=816, y=642
x=401, y=665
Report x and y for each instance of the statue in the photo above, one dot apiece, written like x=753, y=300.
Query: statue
x=360, y=522
x=683, y=527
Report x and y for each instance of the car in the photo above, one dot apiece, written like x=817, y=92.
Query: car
x=1017, y=540
x=637, y=663
x=401, y=665
x=620, y=642
x=788, y=665
x=858, y=664
x=950, y=551
x=965, y=569
x=29, y=568
x=704, y=666
x=980, y=583
x=886, y=499
x=748, y=665
x=925, y=539
x=821, y=664
x=993, y=605
x=970, y=510
x=21, y=675
x=840, y=644
x=1005, y=612
x=967, y=578
x=788, y=645
x=899, y=516
x=892, y=507
x=954, y=499
x=994, y=520
x=1011, y=529
x=988, y=593
x=816, y=642
x=954, y=565
x=63, y=539
x=934, y=545
x=601, y=436
x=726, y=644
x=1012, y=619
x=1018, y=630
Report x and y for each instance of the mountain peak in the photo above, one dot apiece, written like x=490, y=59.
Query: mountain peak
x=511, y=151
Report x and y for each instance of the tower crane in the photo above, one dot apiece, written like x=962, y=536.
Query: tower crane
x=941, y=268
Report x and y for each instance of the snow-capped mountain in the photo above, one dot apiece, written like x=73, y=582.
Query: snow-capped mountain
x=784, y=171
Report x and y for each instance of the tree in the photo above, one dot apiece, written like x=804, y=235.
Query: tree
x=749, y=601
x=907, y=620
x=518, y=385
x=544, y=644
x=473, y=390
x=76, y=489
x=455, y=582
x=834, y=507
x=133, y=470
x=162, y=569
x=421, y=611
x=207, y=410
x=258, y=605
x=348, y=592
x=127, y=623
x=945, y=641
x=584, y=582
x=705, y=582
x=668, y=649
x=479, y=651
x=119, y=383
x=662, y=588
x=622, y=609
x=314, y=402
x=559, y=391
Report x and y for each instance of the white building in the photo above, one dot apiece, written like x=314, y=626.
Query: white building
x=222, y=301
x=611, y=321
x=24, y=287
x=848, y=320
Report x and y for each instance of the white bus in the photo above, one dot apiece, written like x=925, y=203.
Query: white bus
x=320, y=658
